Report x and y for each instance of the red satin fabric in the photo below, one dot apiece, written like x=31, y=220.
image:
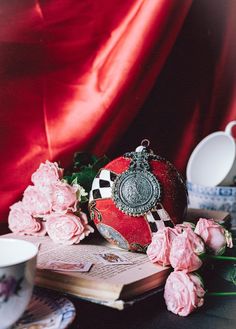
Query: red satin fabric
x=73, y=76
x=195, y=94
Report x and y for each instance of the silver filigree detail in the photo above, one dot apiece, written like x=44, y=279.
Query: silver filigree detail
x=137, y=190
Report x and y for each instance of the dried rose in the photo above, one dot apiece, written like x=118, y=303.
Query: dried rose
x=47, y=174
x=20, y=221
x=67, y=229
x=214, y=235
x=185, y=251
x=63, y=197
x=159, y=249
x=183, y=292
x=36, y=201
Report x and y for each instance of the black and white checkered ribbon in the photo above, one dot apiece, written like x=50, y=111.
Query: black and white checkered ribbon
x=102, y=189
x=102, y=185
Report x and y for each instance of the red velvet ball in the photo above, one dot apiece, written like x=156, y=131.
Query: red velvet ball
x=134, y=232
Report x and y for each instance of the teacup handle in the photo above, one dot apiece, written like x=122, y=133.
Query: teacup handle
x=230, y=125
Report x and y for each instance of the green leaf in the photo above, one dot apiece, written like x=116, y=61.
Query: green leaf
x=203, y=256
x=228, y=272
x=84, y=159
x=100, y=163
x=85, y=178
x=84, y=199
x=75, y=180
x=67, y=179
x=85, y=168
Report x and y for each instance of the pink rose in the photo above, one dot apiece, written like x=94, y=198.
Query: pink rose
x=36, y=202
x=214, y=235
x=159, y=249
x=20, y=221
x=47, y=174
x=185, y=251
x=183, y=292
x=66, y=229
x=63, y=197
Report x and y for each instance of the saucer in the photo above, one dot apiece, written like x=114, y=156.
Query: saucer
x=47, y=310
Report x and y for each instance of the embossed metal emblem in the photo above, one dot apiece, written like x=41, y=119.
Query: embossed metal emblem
x=137, y=190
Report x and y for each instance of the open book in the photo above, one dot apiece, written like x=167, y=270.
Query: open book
x=113, y=275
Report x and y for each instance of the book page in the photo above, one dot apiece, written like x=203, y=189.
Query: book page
x=137, y=266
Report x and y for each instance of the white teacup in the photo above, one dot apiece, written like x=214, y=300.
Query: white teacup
x=17, y=269
x=213, y=161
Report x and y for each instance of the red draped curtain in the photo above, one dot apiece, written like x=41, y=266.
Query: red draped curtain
x=101, y=75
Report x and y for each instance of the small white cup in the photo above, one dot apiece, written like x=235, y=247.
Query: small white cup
x=213, y=161
x=17, y=270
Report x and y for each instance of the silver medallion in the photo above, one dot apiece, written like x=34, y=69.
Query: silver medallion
x=137, y=190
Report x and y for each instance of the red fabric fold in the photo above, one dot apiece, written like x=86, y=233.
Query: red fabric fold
x=195, y=93
x=73, y=76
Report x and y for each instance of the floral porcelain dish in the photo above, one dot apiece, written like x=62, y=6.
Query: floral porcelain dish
x=213, y=198
x=47, y=310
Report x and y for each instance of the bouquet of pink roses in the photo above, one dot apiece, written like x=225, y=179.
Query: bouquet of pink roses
x=51, y=205
x=184, y=248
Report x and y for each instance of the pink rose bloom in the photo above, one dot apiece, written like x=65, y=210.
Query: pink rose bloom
x=21, y=222
x=185, y=251
x=183, y=292
x=214, y=235
x=66, y=229
x=63, y=197
x=47, y=174
x=36, y=201
x=159, y=249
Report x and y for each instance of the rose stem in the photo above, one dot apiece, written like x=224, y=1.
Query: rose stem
x=222, y=257
x=229, y=293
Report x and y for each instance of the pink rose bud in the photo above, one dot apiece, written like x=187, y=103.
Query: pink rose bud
x=183, y=292
x=67, y=229
x=36, y=202
x=214, y=235
x=159, y=249
x=185, y=251
x=47, y=174
x=63, y=197
x=21, y=222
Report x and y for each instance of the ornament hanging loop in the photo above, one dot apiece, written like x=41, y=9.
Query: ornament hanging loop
x=145, y=143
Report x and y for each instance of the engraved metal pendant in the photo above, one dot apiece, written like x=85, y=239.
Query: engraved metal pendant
x=137, y=190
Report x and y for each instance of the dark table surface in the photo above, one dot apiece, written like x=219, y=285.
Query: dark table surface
x=217, y=312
